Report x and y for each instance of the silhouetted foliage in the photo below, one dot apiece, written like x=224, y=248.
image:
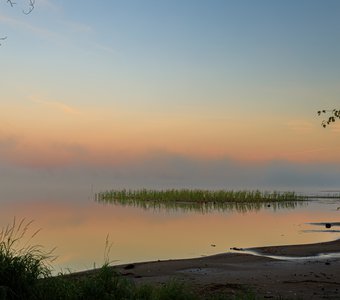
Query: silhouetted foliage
x=331, y=116
x=28, y=10
x=2, y=39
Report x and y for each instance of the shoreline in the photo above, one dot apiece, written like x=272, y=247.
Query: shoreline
x=314, y=277
x=300, y=250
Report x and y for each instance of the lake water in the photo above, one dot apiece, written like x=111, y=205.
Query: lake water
x=79, y=229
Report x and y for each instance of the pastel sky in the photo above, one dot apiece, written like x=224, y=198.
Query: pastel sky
x=159, y=92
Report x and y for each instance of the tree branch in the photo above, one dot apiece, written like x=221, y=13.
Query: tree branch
x=31, y=4
x=331, y=118
x=2, y=39
x=30, y=7
x=11, y=3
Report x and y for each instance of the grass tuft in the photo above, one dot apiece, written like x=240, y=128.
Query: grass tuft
x=25, y=274
x=21, y=264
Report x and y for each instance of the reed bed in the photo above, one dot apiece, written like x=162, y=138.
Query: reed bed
x=197, y=198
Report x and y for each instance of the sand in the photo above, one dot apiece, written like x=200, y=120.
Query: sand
x=295, y=272
x=300, y=273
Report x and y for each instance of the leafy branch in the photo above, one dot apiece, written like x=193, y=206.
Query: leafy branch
x=31, y=4
x=2, y=39
x=28, y=10
x=331, y=116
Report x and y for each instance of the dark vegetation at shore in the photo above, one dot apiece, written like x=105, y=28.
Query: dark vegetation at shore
x=26, y=273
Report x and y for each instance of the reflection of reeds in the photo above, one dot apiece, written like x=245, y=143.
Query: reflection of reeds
x=200, y=200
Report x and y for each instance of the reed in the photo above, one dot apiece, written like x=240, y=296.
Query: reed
x=206, y=198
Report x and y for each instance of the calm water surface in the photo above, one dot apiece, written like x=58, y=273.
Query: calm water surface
x=79, y=229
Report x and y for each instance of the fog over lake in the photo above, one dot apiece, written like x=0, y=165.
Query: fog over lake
x=164, y=171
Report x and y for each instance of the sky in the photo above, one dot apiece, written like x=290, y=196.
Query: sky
x=160, y=93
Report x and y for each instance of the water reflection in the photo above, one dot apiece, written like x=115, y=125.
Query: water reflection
x=330, y=231
x=326, y=224
x=79, y=229
x=204, y=207
x=321, y=256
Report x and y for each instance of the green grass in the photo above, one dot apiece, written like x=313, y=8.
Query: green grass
x=202, y=200
x=25, y=274
x=21, y=264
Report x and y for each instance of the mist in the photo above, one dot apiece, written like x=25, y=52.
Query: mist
x=163, y=171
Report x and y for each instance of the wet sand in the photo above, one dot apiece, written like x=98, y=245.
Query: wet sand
x=302, y=272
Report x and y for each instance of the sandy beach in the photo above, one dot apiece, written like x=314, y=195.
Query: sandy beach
x=295, y=272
